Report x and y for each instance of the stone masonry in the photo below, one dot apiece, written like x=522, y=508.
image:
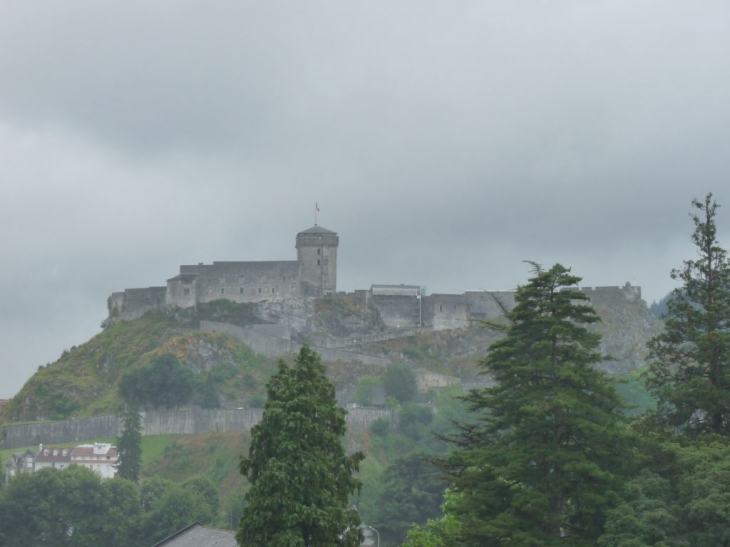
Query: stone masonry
x=314, y=274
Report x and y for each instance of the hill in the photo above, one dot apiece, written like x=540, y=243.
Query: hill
x=84, y=380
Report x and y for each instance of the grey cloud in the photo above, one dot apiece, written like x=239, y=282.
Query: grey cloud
x=445, y=143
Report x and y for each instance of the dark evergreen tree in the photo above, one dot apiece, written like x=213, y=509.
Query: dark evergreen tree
x=536, y=467
x=399, y=381
x=164, y=383
x=129, y=445
x=300, y=475
x=412, y=492
x=690, y=371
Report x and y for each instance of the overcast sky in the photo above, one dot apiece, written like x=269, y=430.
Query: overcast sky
x=446, y=142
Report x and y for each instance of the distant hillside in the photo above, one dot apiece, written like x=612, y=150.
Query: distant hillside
x=84, y=380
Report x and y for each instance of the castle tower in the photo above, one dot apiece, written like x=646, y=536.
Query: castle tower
x=317, y=257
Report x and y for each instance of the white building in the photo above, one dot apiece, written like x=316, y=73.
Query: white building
x=52, y=456
x=102, y=458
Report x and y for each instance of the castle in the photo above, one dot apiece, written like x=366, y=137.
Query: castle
x=314, y=274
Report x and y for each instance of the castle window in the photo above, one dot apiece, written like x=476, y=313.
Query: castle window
x=259, y=290
x=318, y=251
x=273, y=290
x=240, y=290
x=318, y=262
x=186, y=291
x=223, y=291
x=441, y=308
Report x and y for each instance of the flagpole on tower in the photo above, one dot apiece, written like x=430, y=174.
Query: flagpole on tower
x=316, y=210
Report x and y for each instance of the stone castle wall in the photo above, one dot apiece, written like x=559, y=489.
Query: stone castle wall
x=314, y=273
x=236, y=281
x=273, y=346
x=191, y=421
x=134, y=303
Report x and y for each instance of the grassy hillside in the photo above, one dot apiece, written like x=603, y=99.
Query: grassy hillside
x=83, y=382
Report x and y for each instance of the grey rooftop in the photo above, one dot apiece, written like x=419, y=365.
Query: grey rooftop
x=317, y=229
x=197, y=535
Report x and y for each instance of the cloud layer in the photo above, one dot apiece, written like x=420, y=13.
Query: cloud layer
x=444, y=142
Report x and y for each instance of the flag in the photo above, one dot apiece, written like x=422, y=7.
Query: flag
x=316, y=206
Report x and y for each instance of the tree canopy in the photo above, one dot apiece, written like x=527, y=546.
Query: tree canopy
x=690, y=368
x=300, y=475
x=164, y=383
x=129, y=445
x=535, y=468
x=399, y=381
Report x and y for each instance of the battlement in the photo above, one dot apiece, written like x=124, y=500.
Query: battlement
x=314, y=274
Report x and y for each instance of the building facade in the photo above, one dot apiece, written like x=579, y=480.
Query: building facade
x=102, y=458
x=313, y=273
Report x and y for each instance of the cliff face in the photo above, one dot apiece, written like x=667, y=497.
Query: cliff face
x=626, y=326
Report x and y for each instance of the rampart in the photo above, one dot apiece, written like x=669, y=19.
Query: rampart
x=190, y=421
x=273, y=346
x=134, y=303
x=314, y=273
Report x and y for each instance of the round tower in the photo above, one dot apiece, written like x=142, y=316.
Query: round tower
x=317, y=257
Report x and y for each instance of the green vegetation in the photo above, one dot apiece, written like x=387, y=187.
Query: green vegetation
x=548, y=456
x=85, y=381
x=399, y=381
x=300, y=474
x=129, y=445
x=73, y=507
x=690, y=367
x=364, y=392
x=163, y=383
x=543, y=457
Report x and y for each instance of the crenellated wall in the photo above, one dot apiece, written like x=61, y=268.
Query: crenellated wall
x=313, y=274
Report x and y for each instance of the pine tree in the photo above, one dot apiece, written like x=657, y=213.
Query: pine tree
x=536, y=467
x=129, y=446
x=300, y=475
x=690, y=371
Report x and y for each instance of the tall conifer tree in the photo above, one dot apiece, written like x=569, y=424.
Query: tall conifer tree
x=536, y=467
x=690, y=371
x=300, y=475
x=129, y=445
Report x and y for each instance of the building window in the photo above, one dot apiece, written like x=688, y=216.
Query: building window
x=259, y=290
x=273, y=290
x=223, y=291
x=319, y=251
x=318, y=262
x=240, y=290
x=186, y=291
